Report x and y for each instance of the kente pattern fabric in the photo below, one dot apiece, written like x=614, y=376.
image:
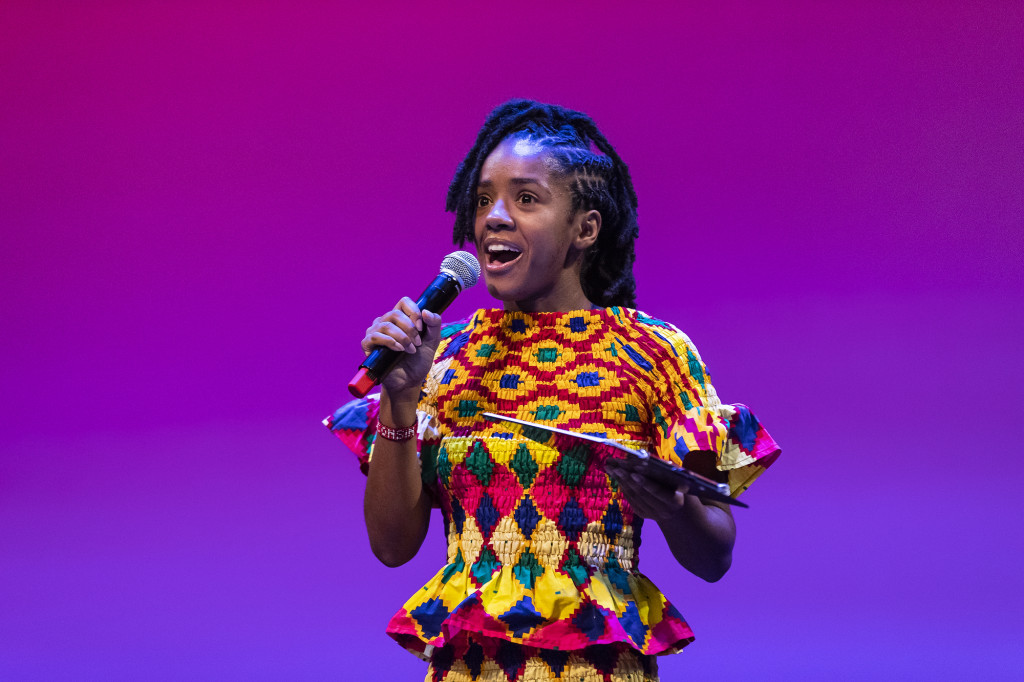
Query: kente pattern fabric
x=542, y=546
x=498, y=660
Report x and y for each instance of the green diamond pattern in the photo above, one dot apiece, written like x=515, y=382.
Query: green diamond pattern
x=480, y=464
x=522, y=463
x=573, y=464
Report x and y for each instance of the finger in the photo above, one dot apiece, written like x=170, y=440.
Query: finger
x=412, y=311
x=400, y=335
x=432, y=319
x=655, y=489
x=378, y=339
x=657, y=509
x=621, y=473
x=638, y=501
x=627, y=463
x=648, y=469
x=653, y=509
x=402, y=320
x=650, y=498
x=642, y=509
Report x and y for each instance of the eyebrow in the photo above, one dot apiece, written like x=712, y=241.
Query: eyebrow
x=514, y=181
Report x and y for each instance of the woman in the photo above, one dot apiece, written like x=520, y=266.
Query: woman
x=542, y=579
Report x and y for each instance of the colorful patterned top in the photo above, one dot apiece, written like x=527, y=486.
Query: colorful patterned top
x=542, y=546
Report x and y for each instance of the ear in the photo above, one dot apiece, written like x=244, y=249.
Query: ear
x=589, y=224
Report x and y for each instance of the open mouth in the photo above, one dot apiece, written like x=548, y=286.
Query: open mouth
x=502, y=254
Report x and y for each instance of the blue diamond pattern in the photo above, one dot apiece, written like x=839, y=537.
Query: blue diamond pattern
x=590, y=621
x=613, y=521
x=572, y=521
x=429, y=615
x=522, y=617
x=487, y=515
x=526, y=516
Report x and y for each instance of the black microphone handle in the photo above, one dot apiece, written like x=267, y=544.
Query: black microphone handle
x=435, y=298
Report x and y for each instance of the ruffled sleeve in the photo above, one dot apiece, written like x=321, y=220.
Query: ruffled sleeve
x=689, y=416
x=355, y=422
x=743, y=448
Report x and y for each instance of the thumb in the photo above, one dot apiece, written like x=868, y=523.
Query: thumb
x=432, y=321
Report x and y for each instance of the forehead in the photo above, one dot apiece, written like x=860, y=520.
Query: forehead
x=521, y=158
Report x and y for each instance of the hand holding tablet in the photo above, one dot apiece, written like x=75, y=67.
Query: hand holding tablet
x=621, y=457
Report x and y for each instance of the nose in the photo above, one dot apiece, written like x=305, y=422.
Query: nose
x=498, y=218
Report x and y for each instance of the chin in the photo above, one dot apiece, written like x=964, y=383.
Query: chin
x=493, y=291
x=500, y=292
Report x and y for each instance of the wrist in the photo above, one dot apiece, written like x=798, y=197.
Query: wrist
x=396, y=434
x=398, y=411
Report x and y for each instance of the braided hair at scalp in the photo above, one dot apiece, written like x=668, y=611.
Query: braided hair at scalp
x=599, y=180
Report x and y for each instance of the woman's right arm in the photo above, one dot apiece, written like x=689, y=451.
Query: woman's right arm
x=395, y=506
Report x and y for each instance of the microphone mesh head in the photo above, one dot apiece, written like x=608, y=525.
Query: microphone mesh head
x=464, y=266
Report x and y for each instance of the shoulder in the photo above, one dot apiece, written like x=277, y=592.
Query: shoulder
x=656, y=335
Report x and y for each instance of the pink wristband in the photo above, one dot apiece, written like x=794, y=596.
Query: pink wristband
x=397, y=435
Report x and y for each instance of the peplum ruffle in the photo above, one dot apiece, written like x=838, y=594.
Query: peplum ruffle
x=564, y=609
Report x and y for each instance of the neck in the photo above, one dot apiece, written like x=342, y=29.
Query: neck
x=552, y=304
x=566, y=294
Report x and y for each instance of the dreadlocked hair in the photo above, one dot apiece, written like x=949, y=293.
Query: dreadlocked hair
x=599, y=180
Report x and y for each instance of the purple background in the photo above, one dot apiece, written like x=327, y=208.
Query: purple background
x=204, y=204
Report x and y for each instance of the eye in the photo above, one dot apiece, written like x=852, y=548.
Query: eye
x=482, y=201
x=527, y=199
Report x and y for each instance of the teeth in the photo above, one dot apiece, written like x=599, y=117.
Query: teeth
x=495, y=248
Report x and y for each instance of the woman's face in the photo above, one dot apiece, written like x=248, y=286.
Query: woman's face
x=528, y=238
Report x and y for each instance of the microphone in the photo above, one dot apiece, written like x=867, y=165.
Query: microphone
x=459, y=270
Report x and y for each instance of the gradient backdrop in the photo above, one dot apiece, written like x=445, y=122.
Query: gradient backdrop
x=204, y=204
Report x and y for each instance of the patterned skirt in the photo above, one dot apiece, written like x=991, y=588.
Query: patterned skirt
x=493, y=660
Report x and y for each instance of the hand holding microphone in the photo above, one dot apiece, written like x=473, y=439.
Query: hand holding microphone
x=412, y=329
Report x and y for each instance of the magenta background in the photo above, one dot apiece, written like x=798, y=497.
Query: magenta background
x=204, y=204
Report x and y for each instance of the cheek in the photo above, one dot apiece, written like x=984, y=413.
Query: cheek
x=478, y=229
